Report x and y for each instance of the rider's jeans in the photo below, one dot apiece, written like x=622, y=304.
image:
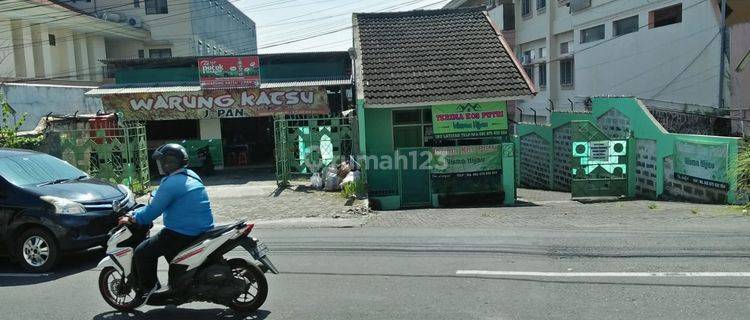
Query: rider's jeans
x=166, y=243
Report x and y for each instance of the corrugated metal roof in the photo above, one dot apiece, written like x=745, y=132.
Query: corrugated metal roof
x=313, y=83
x=131, y=90
x=155, y=88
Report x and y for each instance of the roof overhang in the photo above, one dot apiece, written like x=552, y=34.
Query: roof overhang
x=58, y=15
x=197, y=88
x=437, y=103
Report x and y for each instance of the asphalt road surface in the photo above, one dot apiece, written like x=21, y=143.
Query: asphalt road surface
x=445, y=273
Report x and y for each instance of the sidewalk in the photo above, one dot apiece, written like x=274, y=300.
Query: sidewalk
x=551, y=210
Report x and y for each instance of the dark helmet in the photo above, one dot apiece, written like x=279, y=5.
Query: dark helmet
x=170, y=158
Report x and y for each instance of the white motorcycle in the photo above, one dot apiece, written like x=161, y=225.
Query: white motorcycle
x=198, y=273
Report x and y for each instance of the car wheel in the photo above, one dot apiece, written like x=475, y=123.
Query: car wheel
x=37, y=250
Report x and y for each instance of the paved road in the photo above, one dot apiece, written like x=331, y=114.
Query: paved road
x=411, y=273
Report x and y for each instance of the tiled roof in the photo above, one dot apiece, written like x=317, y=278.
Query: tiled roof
x=434, y=55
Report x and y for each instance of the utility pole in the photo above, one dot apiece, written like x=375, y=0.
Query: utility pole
x=722, y=65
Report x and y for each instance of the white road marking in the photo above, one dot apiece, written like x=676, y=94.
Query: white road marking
x=23, y=275
x=602, y=274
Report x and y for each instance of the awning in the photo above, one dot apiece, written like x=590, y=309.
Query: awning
x=155, y=88
x=131, y=90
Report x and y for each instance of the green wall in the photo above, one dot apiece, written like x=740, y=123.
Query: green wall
x=643, y=127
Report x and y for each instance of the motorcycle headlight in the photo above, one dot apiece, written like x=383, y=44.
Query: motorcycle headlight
x=129, y=200
x=64, y=206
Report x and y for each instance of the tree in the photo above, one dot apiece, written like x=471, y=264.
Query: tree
x=9, y=130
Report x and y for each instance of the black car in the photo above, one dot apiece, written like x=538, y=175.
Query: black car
x=48, y=207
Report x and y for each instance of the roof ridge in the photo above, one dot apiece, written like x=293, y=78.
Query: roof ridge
x=421, y=12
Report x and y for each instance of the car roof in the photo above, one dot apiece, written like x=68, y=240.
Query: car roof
x=6, y=152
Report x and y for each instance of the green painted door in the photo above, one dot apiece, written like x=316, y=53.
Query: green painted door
x=414, y=176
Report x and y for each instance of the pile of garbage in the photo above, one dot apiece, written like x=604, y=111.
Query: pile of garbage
x=336, y=175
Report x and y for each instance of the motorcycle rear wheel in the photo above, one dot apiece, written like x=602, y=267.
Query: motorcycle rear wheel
x=256, y=289
x=117, y=292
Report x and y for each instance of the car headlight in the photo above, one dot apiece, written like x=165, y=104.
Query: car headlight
x=129, y=200
x=64, y=206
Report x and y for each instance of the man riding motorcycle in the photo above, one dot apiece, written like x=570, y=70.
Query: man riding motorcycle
x=183, y=200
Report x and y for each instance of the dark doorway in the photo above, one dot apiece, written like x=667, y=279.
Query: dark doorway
x=248, y=141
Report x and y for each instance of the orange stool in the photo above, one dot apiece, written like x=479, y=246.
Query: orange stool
x=242, y=159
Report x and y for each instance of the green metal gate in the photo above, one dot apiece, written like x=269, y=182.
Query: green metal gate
x=305, y=144
x=599, y=165
x=119, y=155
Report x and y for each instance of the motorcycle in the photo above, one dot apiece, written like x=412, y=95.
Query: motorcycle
x=198, y=273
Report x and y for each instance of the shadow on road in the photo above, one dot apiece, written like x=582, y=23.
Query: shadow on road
x=69, y=264
x=180, y=313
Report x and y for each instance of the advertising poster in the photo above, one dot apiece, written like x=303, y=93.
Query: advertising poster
x=229, y=72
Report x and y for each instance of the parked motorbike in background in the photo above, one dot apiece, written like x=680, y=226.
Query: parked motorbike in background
x=198, y=273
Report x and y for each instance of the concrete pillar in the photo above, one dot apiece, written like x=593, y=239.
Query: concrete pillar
x=509, y=172
x=69, y=44
x=95, y=50
x=22, y=50
x=41, y=50
x=7, y=59
x=81, y=56
x=210, y=129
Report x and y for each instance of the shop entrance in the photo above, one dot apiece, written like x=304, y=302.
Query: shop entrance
x=248, y=141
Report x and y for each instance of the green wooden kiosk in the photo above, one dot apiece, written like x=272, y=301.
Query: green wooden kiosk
x=432, y=91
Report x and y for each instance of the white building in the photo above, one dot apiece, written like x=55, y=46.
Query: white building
x=177, y=27
x=654, y=49
x=51, y=50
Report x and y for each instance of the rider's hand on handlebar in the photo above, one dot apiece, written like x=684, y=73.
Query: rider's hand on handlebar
x=126, y=219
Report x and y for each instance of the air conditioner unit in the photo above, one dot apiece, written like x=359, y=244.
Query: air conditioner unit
x=135, y=22
x=112, y=17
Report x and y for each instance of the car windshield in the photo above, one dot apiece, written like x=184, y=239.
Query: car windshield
x=34, y=169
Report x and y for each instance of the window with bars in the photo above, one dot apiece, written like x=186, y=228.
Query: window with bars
x=625, y=26
x=567, y=76
x=592, y=34
x=542, y=75
x=156, y=6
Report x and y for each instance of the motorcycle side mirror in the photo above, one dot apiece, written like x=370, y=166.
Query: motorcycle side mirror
x=116, y=206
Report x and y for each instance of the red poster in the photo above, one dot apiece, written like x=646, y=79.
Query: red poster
x=229, y=72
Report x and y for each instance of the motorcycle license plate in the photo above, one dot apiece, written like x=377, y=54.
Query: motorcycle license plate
x=259, y=251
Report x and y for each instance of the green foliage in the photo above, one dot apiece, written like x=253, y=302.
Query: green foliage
x=652, y=206
x=9, y=129
x=354, y=189
x=741, y=171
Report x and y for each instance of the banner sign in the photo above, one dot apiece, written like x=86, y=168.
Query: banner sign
x=466, y=161
x=701, y=163
x=213, y=104
x=470, y=120
x=229, y=72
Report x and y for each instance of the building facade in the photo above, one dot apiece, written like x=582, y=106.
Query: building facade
x=666, y=50
x=177, y=27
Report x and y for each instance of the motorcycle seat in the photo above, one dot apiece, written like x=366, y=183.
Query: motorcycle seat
x=217, y=231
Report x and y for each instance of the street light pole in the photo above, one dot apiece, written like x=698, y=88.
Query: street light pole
x=722, y=65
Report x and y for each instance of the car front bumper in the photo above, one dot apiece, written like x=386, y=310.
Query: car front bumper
x=82, y=231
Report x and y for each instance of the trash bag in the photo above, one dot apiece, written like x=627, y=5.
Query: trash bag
x=332, y=179
x=353, y=176
x=316, y=181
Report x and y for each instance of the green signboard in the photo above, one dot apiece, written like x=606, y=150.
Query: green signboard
x=466, y=161
x=704, y=164
x=466, y=169
x=470, y=120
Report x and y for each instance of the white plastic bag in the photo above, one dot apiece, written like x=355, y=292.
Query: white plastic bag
x=316, y=181
x=352, y=176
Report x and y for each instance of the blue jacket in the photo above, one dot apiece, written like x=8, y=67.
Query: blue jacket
x=183, y=199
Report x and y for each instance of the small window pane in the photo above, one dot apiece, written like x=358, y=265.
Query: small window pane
x=407, y=137
x=525, y=7
x=407, y=117
x=427, y=116
x=666, y=16
x=592, y=34
x=566, y=72
x=625, y=26
x=542, y=75
x=541, y=4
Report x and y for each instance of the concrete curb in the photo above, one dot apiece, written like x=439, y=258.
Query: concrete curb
x=295, y=223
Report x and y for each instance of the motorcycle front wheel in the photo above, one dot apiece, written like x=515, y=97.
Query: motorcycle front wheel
x=256, y=286
x=116, y=290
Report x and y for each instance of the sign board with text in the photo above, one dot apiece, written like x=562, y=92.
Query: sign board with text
x=704, y=164
x=213, y=104
x=229, y=72
x=470, y=120
x=466, y=169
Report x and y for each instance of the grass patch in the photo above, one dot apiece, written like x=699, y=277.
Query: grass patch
x=652, y=206
x=694, y=211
